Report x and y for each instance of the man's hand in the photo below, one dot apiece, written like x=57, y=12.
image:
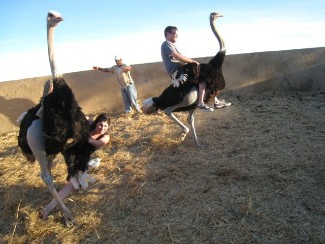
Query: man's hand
x=195, y=62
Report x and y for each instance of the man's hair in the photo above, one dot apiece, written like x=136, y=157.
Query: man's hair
x=169, y=29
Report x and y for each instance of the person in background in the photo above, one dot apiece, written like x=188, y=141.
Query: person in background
x=126, y=83
x=173, y=59
x=98, y=138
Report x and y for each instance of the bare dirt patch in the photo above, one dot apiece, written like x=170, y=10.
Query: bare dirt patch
x=259, y=178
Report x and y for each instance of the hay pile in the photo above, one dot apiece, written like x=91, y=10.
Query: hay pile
x=260, y=178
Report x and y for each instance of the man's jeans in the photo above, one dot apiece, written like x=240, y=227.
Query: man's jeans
x=129, y=96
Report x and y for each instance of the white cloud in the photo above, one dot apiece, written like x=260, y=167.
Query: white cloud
x=262, y=35
x=135, y=48
x=23, y=65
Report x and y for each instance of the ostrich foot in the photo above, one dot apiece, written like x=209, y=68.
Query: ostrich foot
x=182, y=136
x=199, y=145
x=69, y=221
x=68, y=218
x=43, y=214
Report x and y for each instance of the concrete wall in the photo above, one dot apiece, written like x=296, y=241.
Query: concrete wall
x=246, y=74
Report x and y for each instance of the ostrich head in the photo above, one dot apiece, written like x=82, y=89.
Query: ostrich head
x=53, y=18
x=215, y=15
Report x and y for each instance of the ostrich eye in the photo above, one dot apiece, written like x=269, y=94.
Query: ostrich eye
x=50, y=15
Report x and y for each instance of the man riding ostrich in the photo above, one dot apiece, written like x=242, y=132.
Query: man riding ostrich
x=183, y=94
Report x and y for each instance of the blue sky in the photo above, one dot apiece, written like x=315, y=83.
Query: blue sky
x=93, y=32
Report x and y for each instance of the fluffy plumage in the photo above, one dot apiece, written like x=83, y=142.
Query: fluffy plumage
x=66, y=128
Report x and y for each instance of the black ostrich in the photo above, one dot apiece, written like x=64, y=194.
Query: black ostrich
x=63, y=128
x=184, y=97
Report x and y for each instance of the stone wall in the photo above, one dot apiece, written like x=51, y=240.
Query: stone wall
x=246, y=74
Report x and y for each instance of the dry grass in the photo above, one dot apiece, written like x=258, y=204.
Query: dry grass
x=259, y=179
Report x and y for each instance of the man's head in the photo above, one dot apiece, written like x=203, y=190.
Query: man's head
x=118, y=60
x=171, y=33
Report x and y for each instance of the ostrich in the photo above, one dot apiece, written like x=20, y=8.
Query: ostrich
x=63, y=128
x=184, y=97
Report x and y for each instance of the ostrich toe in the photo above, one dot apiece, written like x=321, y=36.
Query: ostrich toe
x=69, y=221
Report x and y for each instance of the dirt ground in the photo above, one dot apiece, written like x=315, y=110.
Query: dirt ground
x=260, y=178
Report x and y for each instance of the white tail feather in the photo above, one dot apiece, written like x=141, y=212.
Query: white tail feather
x=148, y=106
x=21, y=117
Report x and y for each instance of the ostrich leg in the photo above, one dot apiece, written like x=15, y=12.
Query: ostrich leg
x=48, y=180
x=191, y=119
x=168, y=112
x=36, y=143
x=188, y=100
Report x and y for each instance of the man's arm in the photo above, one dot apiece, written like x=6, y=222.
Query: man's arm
x=126, y=68
x=182, y=58
x=101, y=69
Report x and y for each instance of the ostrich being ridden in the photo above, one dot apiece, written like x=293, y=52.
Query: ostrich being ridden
x=183, y=96
x=56, y=125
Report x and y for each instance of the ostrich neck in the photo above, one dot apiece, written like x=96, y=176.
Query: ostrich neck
x=50, y=46
x=216, y=33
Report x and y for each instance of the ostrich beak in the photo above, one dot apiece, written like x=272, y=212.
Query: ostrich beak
x=217, y=14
